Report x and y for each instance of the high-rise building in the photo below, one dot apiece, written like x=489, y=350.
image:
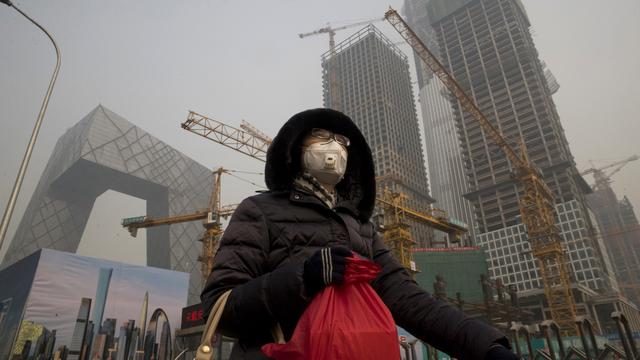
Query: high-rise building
x=375, y=91
x=102, y=290
x=26, y=349
x=124, y=340
x=552, y=82
x=99, y=350
x=627, y=213
x=133, y=341
x=143, y=321
x=447, y=179
x=116, y=155
x=88, y=343
x=486, y=45
x=621, y=233
x=78, y=339
x=49, y=346
x=109, y=329
x=62, y=353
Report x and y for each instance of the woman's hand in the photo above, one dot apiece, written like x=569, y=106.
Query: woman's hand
x=326, y=266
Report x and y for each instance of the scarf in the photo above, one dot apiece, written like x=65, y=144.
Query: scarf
x=307, y=182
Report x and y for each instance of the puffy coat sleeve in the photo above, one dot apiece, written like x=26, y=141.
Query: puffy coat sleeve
x=427, y=318
x=259, y=297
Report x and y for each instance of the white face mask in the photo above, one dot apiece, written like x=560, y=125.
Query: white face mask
x=326, y=161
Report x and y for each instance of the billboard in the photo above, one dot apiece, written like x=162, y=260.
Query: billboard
x=86, y=308
x=15, y=284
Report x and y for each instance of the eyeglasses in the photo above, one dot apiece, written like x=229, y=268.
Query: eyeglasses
x=328, y=135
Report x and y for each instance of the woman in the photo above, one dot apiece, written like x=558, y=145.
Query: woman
x=283, y=246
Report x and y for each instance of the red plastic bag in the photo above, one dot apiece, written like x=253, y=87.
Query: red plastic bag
x=349, y=321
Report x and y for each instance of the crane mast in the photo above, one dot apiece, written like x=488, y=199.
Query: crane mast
x=210, y=221
x=537, y=205
x=396, y=232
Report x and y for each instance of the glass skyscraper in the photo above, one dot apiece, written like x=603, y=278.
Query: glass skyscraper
x=78, y=340
x=102, y=290
x=103, y=152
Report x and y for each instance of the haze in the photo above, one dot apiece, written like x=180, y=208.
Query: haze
x=152, y=61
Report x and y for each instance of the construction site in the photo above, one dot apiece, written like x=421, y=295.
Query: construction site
x=478, y=195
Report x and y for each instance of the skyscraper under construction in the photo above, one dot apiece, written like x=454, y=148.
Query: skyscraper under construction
x=621, y=231
x=368, y=76
x=486, y=45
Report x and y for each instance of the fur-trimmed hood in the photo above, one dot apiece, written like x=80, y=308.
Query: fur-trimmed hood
x=357, y=189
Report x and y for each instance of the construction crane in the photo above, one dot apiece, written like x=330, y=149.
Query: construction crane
x=246, y=126
x=334, y=81
x=537, y=205
x=251, y=142
x=226, y=135
x=603, y=180
x=395, y=229
x=396, y=232
x=211, y=223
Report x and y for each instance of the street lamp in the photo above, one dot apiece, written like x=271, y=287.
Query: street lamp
x=6, y=218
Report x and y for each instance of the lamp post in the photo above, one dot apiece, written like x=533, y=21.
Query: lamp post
x=6, y=218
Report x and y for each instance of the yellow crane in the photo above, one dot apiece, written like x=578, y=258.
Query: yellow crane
x=252, y=142
x=603, y=180
x=334, y=81
x=395, y=229
x=211, y=223
x=537, y=205
x=395, y=232
x=229, y=136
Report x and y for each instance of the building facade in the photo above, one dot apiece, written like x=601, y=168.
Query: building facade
x=447, y=179
x=486, y=45
x=620, y=231
x=78, y=341
x=511, y=261
x=116, y=155
x=375, y=91
x=102, y=290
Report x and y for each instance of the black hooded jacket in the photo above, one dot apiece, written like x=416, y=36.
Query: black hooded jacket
x=270, y=235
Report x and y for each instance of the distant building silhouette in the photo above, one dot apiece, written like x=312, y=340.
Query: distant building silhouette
x=88, y=342
x=143, y=321
x=62, y=353
x=124, y=339
x=78, y=339
x=26, y=349
x=99, y=350
x=621, y=233
x=102, y=290
x=51, y=342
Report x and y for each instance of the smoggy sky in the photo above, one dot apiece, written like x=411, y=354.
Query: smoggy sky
x=152, y=61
